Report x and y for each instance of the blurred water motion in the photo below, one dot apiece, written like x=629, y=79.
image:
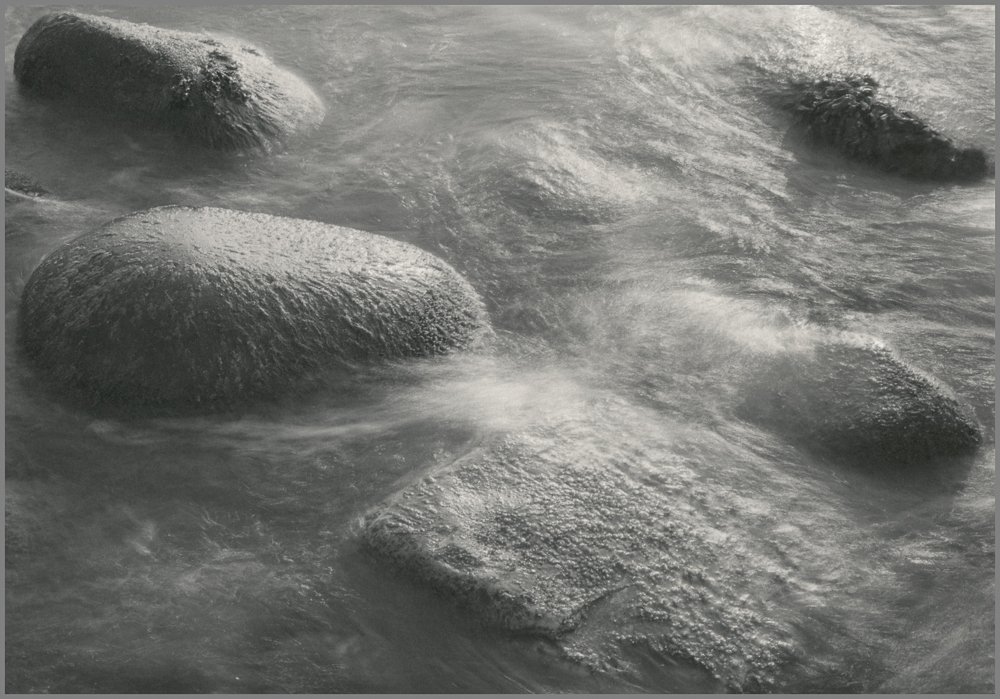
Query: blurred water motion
x=611, y=182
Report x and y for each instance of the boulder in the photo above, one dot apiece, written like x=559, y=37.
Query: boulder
x=858, y=401
x=178, y=308
x=591, y=533
x=842, y=112
x=216, y=91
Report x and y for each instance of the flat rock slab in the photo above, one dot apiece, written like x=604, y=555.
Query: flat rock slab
x=587, y=532
x=219, y=92
x=180, y=308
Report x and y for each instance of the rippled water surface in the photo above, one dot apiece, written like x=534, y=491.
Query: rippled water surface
x=644, y=236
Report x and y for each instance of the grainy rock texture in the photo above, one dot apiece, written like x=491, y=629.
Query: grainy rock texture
x=216, y=91
x=842, y=112
x=21, y=184
x=180, y=307
x=860, y=402
x=586, y=532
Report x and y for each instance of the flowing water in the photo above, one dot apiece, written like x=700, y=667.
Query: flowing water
x=642, y=231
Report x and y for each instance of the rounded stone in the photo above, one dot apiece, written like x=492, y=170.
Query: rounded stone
x=216, y=91
x=859, y=402
x=178, y=308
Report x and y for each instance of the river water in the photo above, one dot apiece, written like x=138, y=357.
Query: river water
x=642, y=232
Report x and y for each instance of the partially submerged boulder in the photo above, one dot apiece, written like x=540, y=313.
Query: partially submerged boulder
x=178, y=308
x=842, y=112
x=857, y=401
x=216, y=91
x=592, y=534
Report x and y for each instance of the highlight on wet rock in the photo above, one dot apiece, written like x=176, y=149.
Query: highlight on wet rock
x=216, y=91
x=844, y=113
x=179, y=308
x=858, y=401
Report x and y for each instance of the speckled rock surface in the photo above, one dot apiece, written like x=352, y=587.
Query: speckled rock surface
x=20, y=184
x=216, y=91
x=588, y=533
x=860, y=402
x=180, y=307
x=842, y=112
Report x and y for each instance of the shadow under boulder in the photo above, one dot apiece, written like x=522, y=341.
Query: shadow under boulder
x=218, y=92
x=178, y=308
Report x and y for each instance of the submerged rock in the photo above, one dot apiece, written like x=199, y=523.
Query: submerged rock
x=179, y=307
x=859, y=402
x=219, y=92
x=591, y=534
x=842, y=112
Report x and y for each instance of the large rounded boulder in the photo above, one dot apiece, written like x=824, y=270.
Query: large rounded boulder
x=859, y=402
x=179, y=308
x=216, y=91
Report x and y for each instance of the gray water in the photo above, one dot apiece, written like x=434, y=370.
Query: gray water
x=642, y=232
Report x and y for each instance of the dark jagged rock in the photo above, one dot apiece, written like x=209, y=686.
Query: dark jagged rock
x=183, y=308
x=591, y=534
x=859, y=402
x=21, y=184
x=842, y=112
x=219, y=92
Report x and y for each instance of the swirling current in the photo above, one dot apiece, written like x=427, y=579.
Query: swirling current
x=595, y=503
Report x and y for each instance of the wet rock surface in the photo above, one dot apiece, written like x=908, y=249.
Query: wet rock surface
x=603, y=545
x=20, y=185
x=179, y=308
x=844, y=113
x=859, y=402
x=219, y=92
